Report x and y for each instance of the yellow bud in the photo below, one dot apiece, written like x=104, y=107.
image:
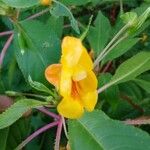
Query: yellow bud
x=46, y=2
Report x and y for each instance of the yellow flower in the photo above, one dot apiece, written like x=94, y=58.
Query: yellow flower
x=46, y=2
x=74, y=79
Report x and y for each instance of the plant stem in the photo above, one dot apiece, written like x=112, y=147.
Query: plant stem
x=106, y=68
x=87, y=29
x=110, y=44
x=103, y=88
x=45, y=111
x=121, y=7
x=3, y=52
x=58, y=135
x=6, y=33
x=37, y=14
x=13, y=93
x=138, y=121
x=36, y=133
x=65, y=128
x=112, y=47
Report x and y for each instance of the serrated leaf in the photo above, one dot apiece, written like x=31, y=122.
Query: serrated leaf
x=15, y=112
x=97, y=131
x=38, y=86
x=61, y=10
x=99, y=35
x=21, y=3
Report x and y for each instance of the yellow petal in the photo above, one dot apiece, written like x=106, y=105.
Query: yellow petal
x=89, y=83
x=79, y=73
x=70, y=108
x=89, y=100
x=71, y=51
x=85, y=60
x=52, y=74
x=65, y=82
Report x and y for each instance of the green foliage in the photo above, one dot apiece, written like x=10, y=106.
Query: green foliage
x=17, y=110
x=99, y=35
x=104, y=133
x=132, y=68
x=119, y=38
x=41, y=51
x=21, y=4
x=61, y=10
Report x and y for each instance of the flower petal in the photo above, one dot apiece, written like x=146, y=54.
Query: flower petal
x=85, y=60
x=65, y=82
x=52, y=74
x=79, y=73
x=89, y=100
x=70, y=108
x=71, y=51
x=89, y=83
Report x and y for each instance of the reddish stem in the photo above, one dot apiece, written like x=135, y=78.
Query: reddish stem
x=106, y=68
x=6, y=33
x=3, y=52
x=58, y=135
x=135, y=106
x=37, y=14
x=45, y=111
x=138, y=121
x=36, y=133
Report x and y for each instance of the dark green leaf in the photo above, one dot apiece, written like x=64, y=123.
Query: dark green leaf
x=99, y=35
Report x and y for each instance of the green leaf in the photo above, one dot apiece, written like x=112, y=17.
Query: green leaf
x=120, y=49
x=38, y=48
x=3, y=139
x=98, y=132
x=61, y=10
x=15, y=112
x=99, y=35
x=132, y=67
x=38, y=86
x=143, y=84
x=21, y=3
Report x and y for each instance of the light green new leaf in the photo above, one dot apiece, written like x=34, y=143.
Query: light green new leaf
x=15, y=112
x=132, y=67
x=99, y=35
x=21, y=3
x=96, y=131
x=38, y=86
x=120, y=49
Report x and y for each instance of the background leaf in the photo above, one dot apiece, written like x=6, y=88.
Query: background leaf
x=21, y=4
x=99, y=35
x=17, y=110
